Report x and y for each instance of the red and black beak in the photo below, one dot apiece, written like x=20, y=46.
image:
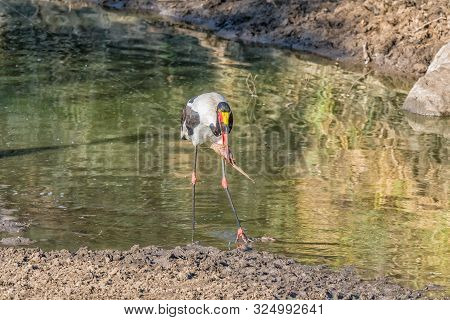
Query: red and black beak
x=224, y=117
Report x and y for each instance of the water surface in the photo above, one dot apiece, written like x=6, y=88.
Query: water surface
x=90, y=154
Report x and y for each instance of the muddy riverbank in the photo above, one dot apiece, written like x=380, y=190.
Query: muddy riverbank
x=191, y=272
x=393, y=37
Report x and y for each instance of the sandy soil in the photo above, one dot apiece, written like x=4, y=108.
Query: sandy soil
x=191, y=272
x=394, y=37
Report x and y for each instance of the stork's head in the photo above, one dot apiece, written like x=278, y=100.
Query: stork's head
x=223, y=115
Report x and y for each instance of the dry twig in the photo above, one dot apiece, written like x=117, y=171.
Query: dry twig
x=428, y=23
x=251, y=84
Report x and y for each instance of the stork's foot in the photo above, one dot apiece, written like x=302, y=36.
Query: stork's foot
x=241, y=237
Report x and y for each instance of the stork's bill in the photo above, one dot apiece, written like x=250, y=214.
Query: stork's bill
x=225, y=118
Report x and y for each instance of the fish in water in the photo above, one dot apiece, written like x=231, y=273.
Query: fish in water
x=225, y=152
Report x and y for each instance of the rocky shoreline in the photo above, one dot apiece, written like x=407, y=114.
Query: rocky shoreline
x=190, y=272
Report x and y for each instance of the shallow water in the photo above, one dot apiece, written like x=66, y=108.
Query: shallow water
x=90, y=153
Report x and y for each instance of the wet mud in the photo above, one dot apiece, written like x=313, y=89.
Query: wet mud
x=16, y=241
x=8, y=223
x=190, y=272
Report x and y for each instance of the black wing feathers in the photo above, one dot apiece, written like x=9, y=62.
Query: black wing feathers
x=190, y=119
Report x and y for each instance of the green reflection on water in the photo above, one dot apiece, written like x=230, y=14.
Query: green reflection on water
x=90, y=152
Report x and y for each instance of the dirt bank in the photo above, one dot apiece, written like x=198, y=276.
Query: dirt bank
x=399, y=37
x=191, y=272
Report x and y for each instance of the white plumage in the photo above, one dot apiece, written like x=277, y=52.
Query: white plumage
x=199, y=114
x=208, y=118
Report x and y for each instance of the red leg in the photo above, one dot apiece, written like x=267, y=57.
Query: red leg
x=194, y=181
x=240, y=233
